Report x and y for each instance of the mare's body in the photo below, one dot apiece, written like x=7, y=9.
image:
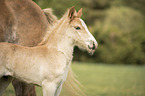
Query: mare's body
x=22, y=22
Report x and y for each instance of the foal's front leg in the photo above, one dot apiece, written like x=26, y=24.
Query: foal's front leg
x=48, y=88
x=59, y=88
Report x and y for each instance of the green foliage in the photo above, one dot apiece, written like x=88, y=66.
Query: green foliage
x=97, y=4
x=59, y=7
x=120, y=36
x=137, y=5
x=105, y=80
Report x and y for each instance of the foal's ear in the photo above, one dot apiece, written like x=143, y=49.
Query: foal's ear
x=79, y=14
x=72, y=13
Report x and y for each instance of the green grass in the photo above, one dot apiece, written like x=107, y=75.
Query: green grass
x=106, y=80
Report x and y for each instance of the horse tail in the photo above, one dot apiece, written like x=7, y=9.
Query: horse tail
x=72, y=86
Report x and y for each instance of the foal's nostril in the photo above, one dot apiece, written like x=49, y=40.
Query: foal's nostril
x=92, y=47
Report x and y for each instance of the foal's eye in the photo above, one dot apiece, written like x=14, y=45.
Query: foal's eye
x=77, y=28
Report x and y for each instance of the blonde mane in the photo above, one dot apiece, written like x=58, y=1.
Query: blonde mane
x=56, y=31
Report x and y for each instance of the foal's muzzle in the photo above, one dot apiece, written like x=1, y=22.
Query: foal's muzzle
x=93, y=45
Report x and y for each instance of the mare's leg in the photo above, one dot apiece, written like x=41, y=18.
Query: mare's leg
x=23, y=89
x=48, y=88
x=4, y=82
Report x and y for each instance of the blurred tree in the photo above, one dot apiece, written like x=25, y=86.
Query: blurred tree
x=97, y=4
x=58, y=6
x=137, y=5
x=121, y=36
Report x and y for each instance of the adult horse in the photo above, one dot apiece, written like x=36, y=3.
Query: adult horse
x=47, y=64
x=21, y=22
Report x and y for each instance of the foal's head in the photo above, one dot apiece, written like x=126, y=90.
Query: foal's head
x=79, y=32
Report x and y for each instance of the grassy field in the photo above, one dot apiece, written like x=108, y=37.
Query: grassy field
x=106, y=80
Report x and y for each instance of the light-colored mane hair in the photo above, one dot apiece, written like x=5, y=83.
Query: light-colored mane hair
x=52, y=19
x=52, y=37
x=71, y=86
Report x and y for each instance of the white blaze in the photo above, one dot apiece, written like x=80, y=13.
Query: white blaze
x=91, y=36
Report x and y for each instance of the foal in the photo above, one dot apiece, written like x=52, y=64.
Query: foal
x=47, y=65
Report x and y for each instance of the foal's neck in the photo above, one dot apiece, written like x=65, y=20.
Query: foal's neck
x=58, y=38
x=55, y=33
x=66, y=46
